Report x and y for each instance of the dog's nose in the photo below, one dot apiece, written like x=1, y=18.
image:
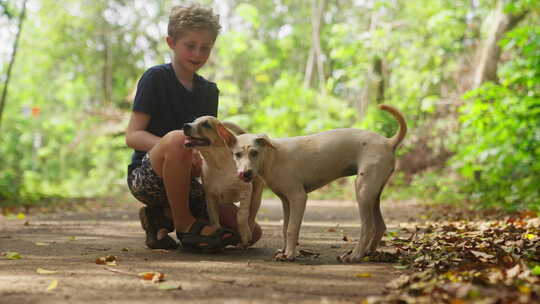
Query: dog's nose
x=187, y=127
x=248, y=174
x=245, y=175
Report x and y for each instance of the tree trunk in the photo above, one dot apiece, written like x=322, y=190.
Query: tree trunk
x=374, y=87
x=107, y=63
x=490, y=51
x=315, y=51
x=12, y=61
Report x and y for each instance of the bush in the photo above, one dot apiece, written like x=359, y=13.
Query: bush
x=500, y=148
x=42, y=159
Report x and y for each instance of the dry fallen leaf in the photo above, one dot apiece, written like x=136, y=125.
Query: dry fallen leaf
x=13, y=255
x=45, y=271
x=41, y=244
x=153, y=276
x=401, y=281
x=482, y=255
x=170, y=287
x=332, y=230
x=109, y=260
x=363, y=275
x=347, y=239
x=524, y=289
x=53, y=285
x=513, y=272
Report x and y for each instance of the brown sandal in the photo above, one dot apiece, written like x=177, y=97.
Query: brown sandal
x=194, y=241
x=153, y=220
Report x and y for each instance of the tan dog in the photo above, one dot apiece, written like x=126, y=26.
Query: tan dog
x=220, y=182
x=293, y=167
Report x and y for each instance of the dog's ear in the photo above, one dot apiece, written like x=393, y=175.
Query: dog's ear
x=226, y=135
x=263, y=140
x=233, y=127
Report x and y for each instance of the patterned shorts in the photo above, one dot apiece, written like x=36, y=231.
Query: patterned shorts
x=147, y=187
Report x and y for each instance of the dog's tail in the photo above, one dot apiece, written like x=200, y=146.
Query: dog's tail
x=396, y=140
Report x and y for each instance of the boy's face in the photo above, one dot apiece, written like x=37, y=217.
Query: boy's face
x=192, y=50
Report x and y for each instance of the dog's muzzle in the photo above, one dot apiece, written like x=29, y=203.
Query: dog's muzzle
x=192, y=141
x=246, y=176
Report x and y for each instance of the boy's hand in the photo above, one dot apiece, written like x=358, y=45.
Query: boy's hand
x=196, y=164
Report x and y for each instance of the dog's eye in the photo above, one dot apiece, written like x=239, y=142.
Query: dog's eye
x=238, y=154
x=253, y=153
x=207, y=125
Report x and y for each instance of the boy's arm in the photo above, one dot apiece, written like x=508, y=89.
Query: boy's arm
x=136, y=135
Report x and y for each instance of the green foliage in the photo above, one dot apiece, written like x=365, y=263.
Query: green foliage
x=43, y=157
x=79, y=62
x=57, y=138
x=296, y=110
x=436, y=186
x=501, y=130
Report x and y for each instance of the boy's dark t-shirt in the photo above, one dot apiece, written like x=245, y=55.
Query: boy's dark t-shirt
x=169, y=104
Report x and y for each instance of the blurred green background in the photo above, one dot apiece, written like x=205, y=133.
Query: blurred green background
x=466, y=74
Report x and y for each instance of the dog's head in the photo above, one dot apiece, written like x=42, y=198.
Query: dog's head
x=249, y=152
x=207, y=131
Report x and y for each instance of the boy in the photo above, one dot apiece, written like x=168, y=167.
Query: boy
x=162, y=173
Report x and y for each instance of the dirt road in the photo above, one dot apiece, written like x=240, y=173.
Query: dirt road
x=68, y=243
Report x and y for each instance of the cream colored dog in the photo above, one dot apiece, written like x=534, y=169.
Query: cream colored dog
x=220, y=182
x=293, y=167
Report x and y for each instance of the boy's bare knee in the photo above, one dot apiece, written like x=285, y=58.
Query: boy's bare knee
x=175, y=137
x=174, y=145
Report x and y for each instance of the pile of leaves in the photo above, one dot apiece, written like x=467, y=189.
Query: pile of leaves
x=466, y=261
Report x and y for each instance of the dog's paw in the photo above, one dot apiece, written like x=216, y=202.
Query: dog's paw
x=278, y=252
x=281, y=256
x=245, y=243
x=242, y=246
x=348, y=258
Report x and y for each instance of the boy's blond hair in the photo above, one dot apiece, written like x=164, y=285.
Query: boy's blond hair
x=193, y=17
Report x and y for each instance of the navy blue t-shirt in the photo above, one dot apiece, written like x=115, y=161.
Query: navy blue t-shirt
x=169, y=104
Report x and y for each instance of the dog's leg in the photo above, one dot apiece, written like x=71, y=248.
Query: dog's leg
x=213, y=210
x=256, y=198
x=242, y=218
x=380, y=227
x=297, y=207
x=369, y=184
x=286, y=215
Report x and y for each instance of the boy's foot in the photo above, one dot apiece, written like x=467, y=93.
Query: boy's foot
x=194, y=240
x=153, y=220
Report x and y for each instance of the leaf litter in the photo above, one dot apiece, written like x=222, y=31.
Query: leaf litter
x=465, y=261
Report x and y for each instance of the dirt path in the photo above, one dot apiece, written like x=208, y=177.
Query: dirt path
x=70, y=242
